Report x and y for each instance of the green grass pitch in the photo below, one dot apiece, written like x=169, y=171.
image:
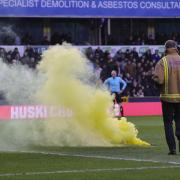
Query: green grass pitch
x=97, y=163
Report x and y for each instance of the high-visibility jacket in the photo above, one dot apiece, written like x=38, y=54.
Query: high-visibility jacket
x=167, y=74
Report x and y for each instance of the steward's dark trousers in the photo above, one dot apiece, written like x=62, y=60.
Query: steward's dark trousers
x=171, y=111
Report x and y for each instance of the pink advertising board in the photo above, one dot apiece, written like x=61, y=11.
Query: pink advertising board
x=44, y=112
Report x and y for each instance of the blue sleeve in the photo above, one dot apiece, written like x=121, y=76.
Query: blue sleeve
x=124, y=83
x=106, y=82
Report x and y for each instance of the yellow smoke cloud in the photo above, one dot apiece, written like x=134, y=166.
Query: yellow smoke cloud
x=67, y=73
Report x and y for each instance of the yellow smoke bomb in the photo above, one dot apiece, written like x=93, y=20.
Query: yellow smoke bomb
x=68, y=84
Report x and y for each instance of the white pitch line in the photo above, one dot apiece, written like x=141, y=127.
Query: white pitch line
x=103, y=157
x=99, y=157
x=86, y=171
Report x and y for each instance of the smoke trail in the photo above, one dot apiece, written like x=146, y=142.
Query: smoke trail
x=65, y=67
x=7, y=32
x=64, y=78
x=19, y=83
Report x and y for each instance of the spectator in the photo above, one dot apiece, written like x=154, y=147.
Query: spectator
x=135, y=54
x=97, y=71
x=15, y=53
x=130, y=68
x=155, y=56
x=104, y=73
x=25, y=59
x=2, y=54
x=147, y=90
x=30, y=51
x=140, y=93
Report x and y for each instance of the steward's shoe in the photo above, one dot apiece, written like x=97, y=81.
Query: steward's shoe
x=173, y=152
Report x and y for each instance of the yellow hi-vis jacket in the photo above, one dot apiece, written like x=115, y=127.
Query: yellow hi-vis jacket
x=167, y=74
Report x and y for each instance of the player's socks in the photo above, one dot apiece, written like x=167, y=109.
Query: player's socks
x=121, y=111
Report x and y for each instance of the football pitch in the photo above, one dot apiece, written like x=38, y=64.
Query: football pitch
x=97, y=163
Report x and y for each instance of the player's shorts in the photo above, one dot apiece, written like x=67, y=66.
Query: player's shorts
x=117, y=98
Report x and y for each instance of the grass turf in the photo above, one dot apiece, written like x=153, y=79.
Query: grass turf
x=62, y=166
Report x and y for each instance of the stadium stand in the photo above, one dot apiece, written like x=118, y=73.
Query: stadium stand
x=135, y=68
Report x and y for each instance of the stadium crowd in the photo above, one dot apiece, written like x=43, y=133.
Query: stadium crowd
x=135, y=69
x=29, y=58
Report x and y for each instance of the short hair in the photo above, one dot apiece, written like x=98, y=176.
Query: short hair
x=113, y=71
x=171, y=44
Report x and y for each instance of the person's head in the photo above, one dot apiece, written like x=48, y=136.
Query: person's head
x=14, y=61
x=16, y=49
x=171, y=46
x=151, y=64
x=109, y=57
x=142, y=59
x=1, y=50
x=119, y=51
x=131, y=55
x=17, y=57
x=134, y=60
x=127, y=51
x=128, y=75
x=8, y=56
x=144, y=74
x=139, y=65
x=25, y=53
x=32, y=59
x=147, y=86
x=113, y=73
x=148, y=51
